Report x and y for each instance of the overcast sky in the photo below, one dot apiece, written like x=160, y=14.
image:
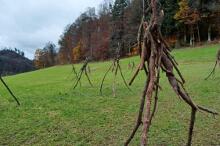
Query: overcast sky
x=29, y=24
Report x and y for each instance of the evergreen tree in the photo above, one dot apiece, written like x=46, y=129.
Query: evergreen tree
x=170, y=8
x=118, y=25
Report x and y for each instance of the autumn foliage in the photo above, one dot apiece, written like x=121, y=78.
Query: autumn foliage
x=96, y=34
x=77, y=52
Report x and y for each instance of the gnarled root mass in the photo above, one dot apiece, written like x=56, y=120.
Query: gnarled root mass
x=9, y=90
x=216, y=63
x=155, y=53
x=83, y=70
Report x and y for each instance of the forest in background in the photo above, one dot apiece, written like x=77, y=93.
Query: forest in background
x=98, y=34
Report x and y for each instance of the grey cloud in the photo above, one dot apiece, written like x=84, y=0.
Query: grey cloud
x=29, y=24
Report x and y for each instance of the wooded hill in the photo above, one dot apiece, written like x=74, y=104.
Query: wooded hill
x=13, y=62
x=97, y=34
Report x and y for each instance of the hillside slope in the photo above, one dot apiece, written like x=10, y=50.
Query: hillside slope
x=13, y=63
x=52, y=113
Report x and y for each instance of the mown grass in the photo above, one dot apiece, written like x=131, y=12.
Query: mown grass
x=52, y=113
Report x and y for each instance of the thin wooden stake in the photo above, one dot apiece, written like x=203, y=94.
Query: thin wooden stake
x=9, y=90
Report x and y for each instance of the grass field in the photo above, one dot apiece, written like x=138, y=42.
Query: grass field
x=52, y=113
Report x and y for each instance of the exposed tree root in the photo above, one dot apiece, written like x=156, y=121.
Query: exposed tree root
x=83, y=70
x=156, y=54
x=9, y=90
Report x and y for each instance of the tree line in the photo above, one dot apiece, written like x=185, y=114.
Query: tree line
x=97, y=34
x=15, y=50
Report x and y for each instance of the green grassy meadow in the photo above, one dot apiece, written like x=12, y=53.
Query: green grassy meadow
x=53, y=114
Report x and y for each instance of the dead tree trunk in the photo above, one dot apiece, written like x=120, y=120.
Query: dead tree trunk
x=9, y=90
x=156, y=54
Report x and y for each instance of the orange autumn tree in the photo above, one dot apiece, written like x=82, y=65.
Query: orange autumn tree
x=189, y=17
x=77, y=52
x=39, y=59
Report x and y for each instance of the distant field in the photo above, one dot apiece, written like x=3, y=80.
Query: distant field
x=52, y=113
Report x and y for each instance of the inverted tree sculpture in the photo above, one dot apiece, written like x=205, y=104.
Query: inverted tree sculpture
x=75, y=74
x=83, y=70
x=9, y=90
x=156, y=54
x=216, y=63
x=115, y=67
x=74, y=71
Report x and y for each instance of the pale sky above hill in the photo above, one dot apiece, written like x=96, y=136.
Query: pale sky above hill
x=29, y=24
